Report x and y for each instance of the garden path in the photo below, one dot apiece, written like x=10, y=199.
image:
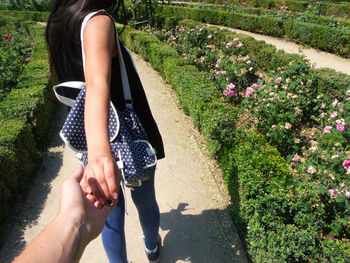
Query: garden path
x=195, y=224
x=319, y=58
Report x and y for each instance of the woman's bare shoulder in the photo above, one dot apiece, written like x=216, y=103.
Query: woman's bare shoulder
x=98, y=24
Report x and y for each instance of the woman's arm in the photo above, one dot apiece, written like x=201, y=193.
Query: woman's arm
x=99, y=46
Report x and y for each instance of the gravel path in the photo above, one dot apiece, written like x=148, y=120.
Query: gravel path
x=195, y=225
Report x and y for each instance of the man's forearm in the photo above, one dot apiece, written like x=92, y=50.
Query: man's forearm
x=60, y=242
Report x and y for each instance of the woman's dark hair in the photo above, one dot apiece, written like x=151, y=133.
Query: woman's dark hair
x=63, y=30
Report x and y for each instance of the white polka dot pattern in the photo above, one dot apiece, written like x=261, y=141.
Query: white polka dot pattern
x=127, y=136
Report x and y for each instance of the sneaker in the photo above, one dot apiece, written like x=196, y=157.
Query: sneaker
x=153, y=256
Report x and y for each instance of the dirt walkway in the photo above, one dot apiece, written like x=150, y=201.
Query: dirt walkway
x=195, y=226
x=319, y=58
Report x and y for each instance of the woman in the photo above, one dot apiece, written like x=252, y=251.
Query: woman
x=103, y=83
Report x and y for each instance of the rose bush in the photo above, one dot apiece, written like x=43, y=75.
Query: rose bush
x=291, y=205
x=16, y=47
x=226, y=64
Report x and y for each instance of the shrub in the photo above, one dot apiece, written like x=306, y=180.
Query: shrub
x=311, y=34
x=16, y=48
x=27, y=15
x=18, y=159
x=25, y=117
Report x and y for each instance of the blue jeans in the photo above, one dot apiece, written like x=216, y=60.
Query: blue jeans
x=113, y=236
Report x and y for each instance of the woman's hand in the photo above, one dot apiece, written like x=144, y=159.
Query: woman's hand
x=102, y=180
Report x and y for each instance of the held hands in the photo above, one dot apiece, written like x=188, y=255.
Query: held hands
x=76, y=208
x=101, y=181
x=77, y=222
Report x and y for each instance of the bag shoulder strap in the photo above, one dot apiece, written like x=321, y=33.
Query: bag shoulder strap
x=125, y=81
x=70, y=84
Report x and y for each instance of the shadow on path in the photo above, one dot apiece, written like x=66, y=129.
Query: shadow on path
x=186, y=241
x=30, y=206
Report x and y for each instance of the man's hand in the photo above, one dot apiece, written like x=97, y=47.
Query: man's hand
x=79, y=208
x=78, y=221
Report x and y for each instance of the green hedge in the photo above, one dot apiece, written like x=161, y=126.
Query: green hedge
x=314, y=35
x=323, y=8
x=28, y=15
x=25, y=117
x=283, y=14
x=275, y=213
x=274, y=210
x=18, y=159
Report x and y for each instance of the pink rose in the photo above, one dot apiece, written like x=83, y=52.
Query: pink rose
x=217, y=66
x=12, y=14
x=249, y=91
x=341, y=110
x=327, y=129
x=311, y=170
x=256, y=85
x=334, y=114
x=278, y=80
x=225, y=93
x=346, y=164
x=295, y=158
x=223, y=72
x=340, y=127
x=232, y=93
x=333, y=192
x=7, y=37
x=231, y=86
x=347, y=194
x=228, y=45
x=236, y=39
x=239, y=45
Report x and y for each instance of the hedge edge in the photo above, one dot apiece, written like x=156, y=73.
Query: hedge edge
x=25, y=118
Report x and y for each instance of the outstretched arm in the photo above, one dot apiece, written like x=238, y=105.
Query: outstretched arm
x=77, y=222
x=101, y=174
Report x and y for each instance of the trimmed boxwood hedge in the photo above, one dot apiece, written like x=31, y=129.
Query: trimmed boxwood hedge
x=18, y=159
x=271, y=209
x=303, y=17
x=28, y=15
x=324, y=8
x=334, y=40
x=25, y=117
